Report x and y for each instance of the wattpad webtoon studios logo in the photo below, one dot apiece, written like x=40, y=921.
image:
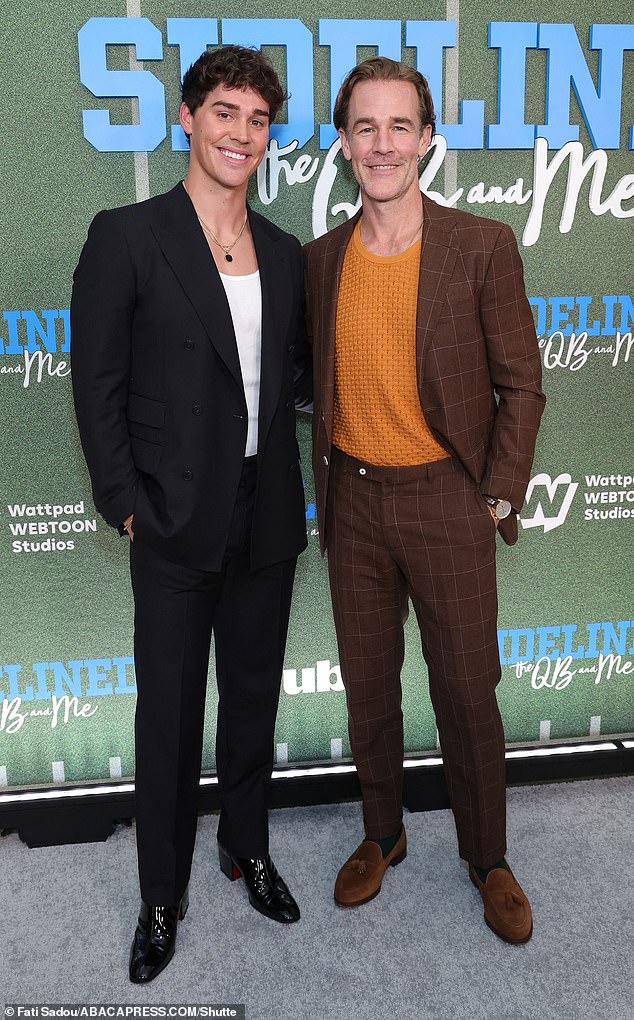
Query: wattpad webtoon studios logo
x=548, y=501
x=48, y=527
x=606, y=498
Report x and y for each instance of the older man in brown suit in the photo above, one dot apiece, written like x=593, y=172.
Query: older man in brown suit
x=419, y=321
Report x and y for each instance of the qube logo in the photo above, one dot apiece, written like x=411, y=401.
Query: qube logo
x=548, y=501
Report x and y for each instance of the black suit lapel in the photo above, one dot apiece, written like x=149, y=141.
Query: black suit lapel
x=183, y=243
x=275, y=282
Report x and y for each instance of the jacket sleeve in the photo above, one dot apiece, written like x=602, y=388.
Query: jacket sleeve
x=515, y=370
x=303, y=365
x=101, y=313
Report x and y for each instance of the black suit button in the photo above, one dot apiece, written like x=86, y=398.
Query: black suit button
x=188, y=475
x=287, y=404
x=189, y=345
x=291, y=348
x=293, y=467
x=197, y=409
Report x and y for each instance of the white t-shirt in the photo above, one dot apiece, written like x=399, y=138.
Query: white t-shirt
x=244, y=295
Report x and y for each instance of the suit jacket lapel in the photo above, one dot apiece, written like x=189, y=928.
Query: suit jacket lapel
x=438, y=258
x=276, y=306
x=332, y=267
x=183, y=243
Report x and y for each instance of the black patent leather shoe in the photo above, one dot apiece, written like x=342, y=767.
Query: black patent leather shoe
x=155, y=940
x=268, y=892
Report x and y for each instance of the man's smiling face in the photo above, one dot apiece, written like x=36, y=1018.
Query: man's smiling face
x=384, y=138
x=228, y=134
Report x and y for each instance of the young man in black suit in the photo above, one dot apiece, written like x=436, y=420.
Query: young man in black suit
x=188, y=355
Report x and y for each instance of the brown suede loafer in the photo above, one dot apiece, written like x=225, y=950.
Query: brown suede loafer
x=359, y=880
x=506, y=909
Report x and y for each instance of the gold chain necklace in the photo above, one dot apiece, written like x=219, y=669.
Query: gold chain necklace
x=227, y=248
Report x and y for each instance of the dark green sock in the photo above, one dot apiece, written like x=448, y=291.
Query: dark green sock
x=483, y=872
x=388, y=844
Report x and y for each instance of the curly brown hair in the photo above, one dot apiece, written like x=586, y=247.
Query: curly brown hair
x=384, y=69
x=235, y=67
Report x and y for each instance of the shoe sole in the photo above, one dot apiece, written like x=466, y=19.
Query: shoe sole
x=359, y=903
x=505, y=938
x=510, y=942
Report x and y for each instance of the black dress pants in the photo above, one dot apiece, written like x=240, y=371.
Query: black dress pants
x=176, y=609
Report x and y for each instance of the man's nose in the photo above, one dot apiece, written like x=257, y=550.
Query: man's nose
x=241, y=129
x=383, y=140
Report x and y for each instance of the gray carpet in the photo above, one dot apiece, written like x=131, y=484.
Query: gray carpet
x=419, y=950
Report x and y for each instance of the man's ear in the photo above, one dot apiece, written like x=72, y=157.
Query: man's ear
x=185, y=118
x=344, y=144
x=425, y=140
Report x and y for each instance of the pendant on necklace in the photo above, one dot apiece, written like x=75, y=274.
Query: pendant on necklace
x=228, y=258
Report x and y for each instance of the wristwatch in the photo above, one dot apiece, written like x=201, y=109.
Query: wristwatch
x=501, y=507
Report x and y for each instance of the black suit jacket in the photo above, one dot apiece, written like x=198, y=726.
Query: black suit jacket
x=158, y=389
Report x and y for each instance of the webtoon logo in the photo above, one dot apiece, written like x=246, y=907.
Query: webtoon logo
x=554, y=494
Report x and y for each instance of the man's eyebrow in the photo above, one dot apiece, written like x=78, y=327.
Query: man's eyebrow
x=363, y=120
x=372, y=121
x=234, y=106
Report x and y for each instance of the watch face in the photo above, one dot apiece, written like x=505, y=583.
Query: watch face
x=502, y=509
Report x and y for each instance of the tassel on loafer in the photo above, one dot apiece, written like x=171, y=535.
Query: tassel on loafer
x=361, y=877
x=267, y=890
x=507, y=911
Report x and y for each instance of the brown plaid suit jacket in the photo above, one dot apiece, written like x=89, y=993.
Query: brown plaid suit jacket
x=478, y=363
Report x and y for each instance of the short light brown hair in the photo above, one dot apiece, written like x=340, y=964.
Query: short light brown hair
x=384, y=69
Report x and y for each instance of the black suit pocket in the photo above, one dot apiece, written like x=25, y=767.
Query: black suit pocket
x=145, y=411
x=146, y=418
x=147, y=456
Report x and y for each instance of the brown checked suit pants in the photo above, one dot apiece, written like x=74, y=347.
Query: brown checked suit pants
x=425, y=533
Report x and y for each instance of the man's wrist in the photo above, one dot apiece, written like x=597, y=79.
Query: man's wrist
x=499, y=508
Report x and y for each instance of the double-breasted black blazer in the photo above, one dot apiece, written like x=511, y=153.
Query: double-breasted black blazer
x=158, y=389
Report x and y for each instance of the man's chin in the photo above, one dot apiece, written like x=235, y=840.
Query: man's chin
x=381, y=196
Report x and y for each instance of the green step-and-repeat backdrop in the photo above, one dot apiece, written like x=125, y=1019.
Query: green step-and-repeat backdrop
x=535, y=128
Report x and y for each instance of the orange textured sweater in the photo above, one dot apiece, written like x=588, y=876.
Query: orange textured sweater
x=377, y=412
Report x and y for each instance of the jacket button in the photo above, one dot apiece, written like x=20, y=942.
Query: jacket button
x=292, y=467
x=287, y=404
x=325, y=460
x=291, y=348
x=188, y=475
x=189, y=345
x=197, y=409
